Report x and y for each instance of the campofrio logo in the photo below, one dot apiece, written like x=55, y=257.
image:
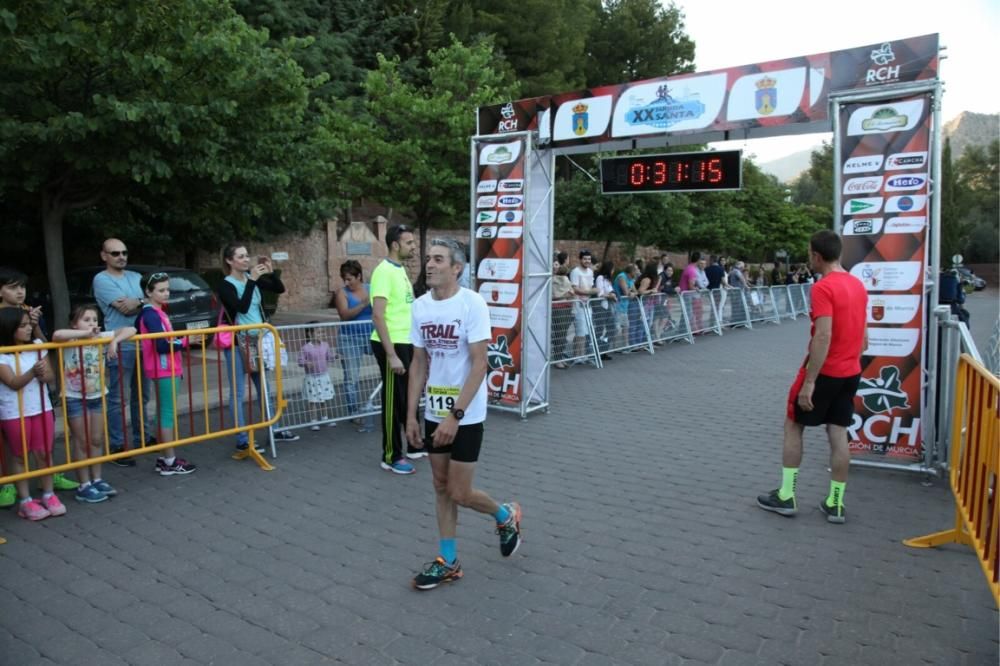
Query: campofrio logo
x=883, y=393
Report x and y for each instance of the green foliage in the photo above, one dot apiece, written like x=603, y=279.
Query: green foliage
x=637, y=39
x=977, y=202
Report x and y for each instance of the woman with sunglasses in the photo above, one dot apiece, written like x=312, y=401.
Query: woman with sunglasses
x=241, y=295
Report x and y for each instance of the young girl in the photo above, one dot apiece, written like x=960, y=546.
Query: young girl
x=318, y=389
x=23, y=376
x=83, y=392
x=162, y=363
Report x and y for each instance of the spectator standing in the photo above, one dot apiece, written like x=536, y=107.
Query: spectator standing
x=625, y=294
x=314, y=358
x=823, y=392
x=646, y=289
x=241, y=294
x=738, y=281
x=693, y=279
x=603, y=314
x=562, y=303
x=354, y=304
x=776, y=275
x=162, y=363
x=392, y=300
x=715, y=273
x=582, y=279
x=119, y=295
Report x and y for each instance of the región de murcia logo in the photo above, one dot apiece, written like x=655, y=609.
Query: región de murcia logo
x=497, y=354
x=884, y=393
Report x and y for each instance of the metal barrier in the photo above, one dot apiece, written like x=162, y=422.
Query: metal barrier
x=203, y=371
x=669, y=321
x=330, y=376
x=975, y=470
x=573, y=338
x=631, y=326
x=783, y=303
x=731, y=307
x=798, y=297
x=701, y=314
x=762, y=306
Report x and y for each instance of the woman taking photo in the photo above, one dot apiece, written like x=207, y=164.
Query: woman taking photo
x=354, y=304
x=241, y=296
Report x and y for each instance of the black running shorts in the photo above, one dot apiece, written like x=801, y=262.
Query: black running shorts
x=464, y=448
x=833, y=400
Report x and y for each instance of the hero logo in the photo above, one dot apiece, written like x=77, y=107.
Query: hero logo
x=905, y=183
x=510, y=201
x=883, y=73
x=863, y=164
x=901, y=161
x=509, y=122
x=863, y=185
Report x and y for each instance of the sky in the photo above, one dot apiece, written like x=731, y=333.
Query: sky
x=728, y=33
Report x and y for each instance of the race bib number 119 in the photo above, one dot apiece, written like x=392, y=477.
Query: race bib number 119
x=441, y=399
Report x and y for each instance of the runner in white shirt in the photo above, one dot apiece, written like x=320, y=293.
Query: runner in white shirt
x=450, y=332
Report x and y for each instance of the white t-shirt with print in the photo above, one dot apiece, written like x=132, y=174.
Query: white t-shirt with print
x=32, y=395
x=444, y=330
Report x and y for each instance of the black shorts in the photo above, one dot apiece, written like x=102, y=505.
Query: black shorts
x=833, y=400
x=464, y=448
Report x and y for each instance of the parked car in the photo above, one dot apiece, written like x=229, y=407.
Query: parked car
x=192, y=302
x=971, y=279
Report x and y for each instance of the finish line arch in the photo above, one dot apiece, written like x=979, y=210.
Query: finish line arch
x=881, y=101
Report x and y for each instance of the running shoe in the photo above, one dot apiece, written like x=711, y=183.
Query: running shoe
x=54, y=506
x=122, y=462
x=90, y=494
x=180, y=466
x=437, y=572
x=105, y=488
x=60, y=482
x=834, y=514
x=285, y=436
x=416, y=455
x=8, y=495
x=771, y=502
x=32, y=510
x=401, y=466
x=510, y=531
x=315, y=428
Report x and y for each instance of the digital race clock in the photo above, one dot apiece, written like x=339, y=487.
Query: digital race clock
x=673, y=172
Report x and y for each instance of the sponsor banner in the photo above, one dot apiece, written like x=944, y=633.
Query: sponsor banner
x=791, y=91
x=888, y=275
x=889, y=255
x=864, y=185
x=863, y=164
x=499, y=293
x=901, y=161
x=499, y=254
x=864, y=206
x=884, y=118
x=863, y=226
x=893, y=308
x=907, y=203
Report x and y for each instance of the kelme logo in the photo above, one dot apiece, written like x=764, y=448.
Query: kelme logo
x=884, y=393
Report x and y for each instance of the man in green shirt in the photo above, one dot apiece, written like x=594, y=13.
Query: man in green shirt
x=392, y=297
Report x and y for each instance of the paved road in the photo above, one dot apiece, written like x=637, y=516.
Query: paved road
x=642, y=545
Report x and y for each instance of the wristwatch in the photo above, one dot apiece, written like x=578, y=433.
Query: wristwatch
x=459, y=414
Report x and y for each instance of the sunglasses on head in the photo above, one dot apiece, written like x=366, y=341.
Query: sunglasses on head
x=118, y=253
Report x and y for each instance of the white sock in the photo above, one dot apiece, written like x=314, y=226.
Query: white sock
x=170, y=461
x=45, y=496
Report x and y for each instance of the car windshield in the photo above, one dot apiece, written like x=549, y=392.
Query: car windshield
x=187, y=282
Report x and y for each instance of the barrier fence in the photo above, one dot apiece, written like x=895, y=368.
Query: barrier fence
x=975, y=470
x=573, y=337
x=205, y=380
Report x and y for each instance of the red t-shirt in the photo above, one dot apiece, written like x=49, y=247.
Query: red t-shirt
x=843, y=297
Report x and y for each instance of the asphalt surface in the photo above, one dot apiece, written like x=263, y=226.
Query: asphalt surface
x=642, y=543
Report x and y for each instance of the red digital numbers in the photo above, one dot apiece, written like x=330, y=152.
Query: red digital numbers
x=715, y=170
x=682, y=172
x=659, y=172
x=637, y=174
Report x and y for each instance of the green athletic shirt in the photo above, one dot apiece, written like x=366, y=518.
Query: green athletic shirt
x=390, y=281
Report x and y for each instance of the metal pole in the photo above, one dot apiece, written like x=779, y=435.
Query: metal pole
x=934, y=246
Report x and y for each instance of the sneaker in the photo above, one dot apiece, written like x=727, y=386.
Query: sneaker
x=60, y=482
x=54, y=506
x=834, y=514
x=437, y=572
x=122, y=462
x=90, y=495
x=510, y=531
x=180, y=466
x=32, y=510
x=105, y=488
x=315, y=428
x=245, y=446
x=331, y=424
x=416, y=455
x=771, y=502
x=401, y=466
x=8, y=495
x=285, y=436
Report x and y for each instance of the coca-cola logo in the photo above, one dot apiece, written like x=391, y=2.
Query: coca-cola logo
x=863, y=185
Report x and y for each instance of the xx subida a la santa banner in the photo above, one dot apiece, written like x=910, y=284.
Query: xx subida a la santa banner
x=499, y=233
x=884, y=176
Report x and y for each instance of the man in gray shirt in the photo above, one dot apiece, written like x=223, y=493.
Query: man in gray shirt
x=119, y=296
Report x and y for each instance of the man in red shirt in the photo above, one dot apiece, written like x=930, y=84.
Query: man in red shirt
x=823, y=391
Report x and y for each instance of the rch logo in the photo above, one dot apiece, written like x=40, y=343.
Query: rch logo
x=509, y=122
x=882, y=56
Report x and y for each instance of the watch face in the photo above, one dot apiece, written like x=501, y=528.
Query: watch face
x=459, y=414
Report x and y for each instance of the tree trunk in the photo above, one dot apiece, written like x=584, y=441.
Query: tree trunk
x=607, y=248
x=53, y=215
x=421, y=285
